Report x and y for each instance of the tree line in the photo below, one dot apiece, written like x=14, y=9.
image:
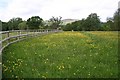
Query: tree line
x=91, y=23
x=35, y=22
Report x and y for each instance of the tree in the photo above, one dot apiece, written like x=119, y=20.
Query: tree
x=55, y=22
x=46, y=24
x=5, y=26
x=34, y=22
x=13, y=23
x=116, y=20
x=68, y=27
x=76, y=26
x=0, y=25
x=81, y=26
x=109, y=24
x=92, y=22
x=104, y=27
x=23, y=25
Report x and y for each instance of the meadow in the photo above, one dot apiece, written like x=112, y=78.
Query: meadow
x=86, y=54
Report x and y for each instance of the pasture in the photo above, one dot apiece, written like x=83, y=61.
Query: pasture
x=86, y=54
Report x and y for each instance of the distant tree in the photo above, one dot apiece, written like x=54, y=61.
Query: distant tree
x=46, y=27
x=104, y=27
x=68, y=27
x=73, y=26
x=5, y=26
x=92, y=22
x=76, y=26
x=0, y=25
x=34, y=22
x=46, y=24
x=55, y=22
x=82, y=24
x=13, y=23
x=116, y=20
x=110, y=24
x=23, y=25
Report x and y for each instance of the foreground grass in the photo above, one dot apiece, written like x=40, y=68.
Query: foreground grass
x=63, y=55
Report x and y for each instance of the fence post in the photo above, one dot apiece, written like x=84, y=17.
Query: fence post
x=18, y=35
x=27, y=33
x=0, y=45
x=8, y=35
x=33, y=32
x=0, y=42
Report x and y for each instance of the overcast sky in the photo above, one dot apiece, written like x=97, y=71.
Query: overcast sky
x=74, y=9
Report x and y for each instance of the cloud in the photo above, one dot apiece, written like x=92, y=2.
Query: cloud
x=76, y=9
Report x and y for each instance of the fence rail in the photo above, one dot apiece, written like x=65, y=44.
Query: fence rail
x=19, y=35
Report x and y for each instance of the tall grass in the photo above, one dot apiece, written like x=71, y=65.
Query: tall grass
x=63, y=55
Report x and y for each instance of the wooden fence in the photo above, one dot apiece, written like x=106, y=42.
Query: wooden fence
x=9, y=37
x=13, y=36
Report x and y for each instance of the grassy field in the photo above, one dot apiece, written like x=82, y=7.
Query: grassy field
x=63, y=55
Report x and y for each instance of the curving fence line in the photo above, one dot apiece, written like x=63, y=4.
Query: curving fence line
x=9, y=37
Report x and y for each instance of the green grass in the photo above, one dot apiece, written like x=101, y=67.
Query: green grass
x=63, y=55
